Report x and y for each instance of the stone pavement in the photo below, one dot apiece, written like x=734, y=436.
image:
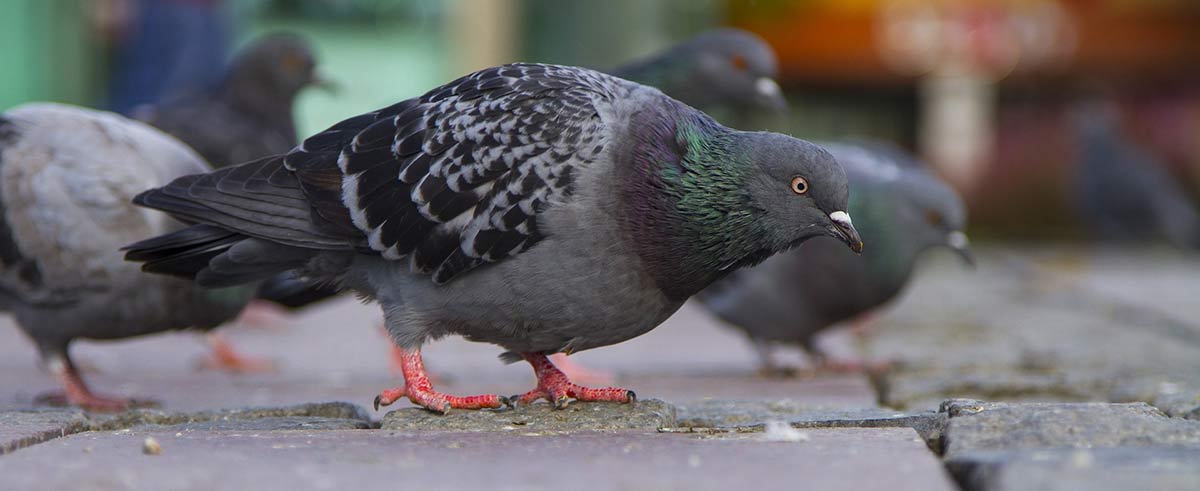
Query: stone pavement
x=1089, y=370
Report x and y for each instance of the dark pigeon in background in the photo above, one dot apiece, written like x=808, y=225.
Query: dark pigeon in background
x=249, y=114
x=68, y=176
x=1123, y=192
x=247, y=117
x=901, y=211
x=541, y=208
x=719, y=69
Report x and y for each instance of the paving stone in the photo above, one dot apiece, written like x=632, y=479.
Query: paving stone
x=1084, y=469
x=348, y=413
x=19, y=429
x=1021, y=446
x=883, y=458
x=578, y=416
x=1040, y=324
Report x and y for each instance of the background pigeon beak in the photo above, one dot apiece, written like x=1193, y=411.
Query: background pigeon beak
x=843, y=228
x=770, y=95
x=959, y=242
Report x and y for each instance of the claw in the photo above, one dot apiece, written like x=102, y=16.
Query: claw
x=377, y=400
x=554, y=386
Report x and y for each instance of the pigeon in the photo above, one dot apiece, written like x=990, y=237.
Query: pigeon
x=722, y=68
x=249, y=114
x=1123, y=192
x=541, y=208
x=901, y=210
x=67, y=178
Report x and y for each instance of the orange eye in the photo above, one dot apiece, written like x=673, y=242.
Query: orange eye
x=739, y=62
x=933, y=218
x=799, y=185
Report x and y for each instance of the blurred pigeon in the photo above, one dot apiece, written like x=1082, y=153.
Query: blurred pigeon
x=1124, y=193
x=249, y=115
x=67, y=176
x=901, y=210
x=722, y=68
x=542, y=208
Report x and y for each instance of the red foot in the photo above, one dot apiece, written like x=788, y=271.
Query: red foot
x=75, y=392
x=263, y=314
x=420, y=391
x=225, y=357
x=554, y=386
x=580, y=373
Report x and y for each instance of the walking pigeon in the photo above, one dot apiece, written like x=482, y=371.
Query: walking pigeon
x=723, y=68
x=67, y=176
x=901, y=210
x=1123, y=192
x=541, y=208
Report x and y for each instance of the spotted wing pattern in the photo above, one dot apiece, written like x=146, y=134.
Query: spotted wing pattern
x=456, y=178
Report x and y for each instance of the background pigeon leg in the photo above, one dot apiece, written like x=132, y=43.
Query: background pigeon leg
x=225, y=357
x=75, y=391
x=263, y=314
x=420, y=391
x=554, y=386
x=581, y=373
x=768, y=366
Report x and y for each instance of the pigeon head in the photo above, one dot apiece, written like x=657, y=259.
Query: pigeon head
x=798, y=190
x=273, y=69
x=738, y=66
x=732, y=199
x=934, y=214
x=724, y=67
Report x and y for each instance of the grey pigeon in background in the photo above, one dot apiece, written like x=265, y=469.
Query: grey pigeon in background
x=541, y=208
x=67, y=178
x=719, y=69
x=1123, y=192
x=901, y=211
x=249, y=115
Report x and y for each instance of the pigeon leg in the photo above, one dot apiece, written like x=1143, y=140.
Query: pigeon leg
x=263, y=314
x=76, y=392
x=769, y=367
x=420, y=391
x=554, y=386
x=583, y=374
x=225, y=357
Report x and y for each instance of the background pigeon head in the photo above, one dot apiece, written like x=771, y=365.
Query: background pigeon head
x=739, y=66
x=935, y=213
x=895, y=195
x=274, y=67
x=719, y=69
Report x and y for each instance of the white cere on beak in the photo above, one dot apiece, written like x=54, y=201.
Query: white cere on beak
x=957, y=240
x=767, y=87
x=842, y=218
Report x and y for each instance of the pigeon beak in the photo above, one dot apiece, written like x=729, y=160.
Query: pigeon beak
x=843, y=228
x=959, y=242
x=770, y=94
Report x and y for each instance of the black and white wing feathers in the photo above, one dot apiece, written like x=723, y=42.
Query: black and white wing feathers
x=456, y=178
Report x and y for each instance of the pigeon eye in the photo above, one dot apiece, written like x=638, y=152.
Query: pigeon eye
x=739, y=62
x=934, y=218
x=799, y=185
